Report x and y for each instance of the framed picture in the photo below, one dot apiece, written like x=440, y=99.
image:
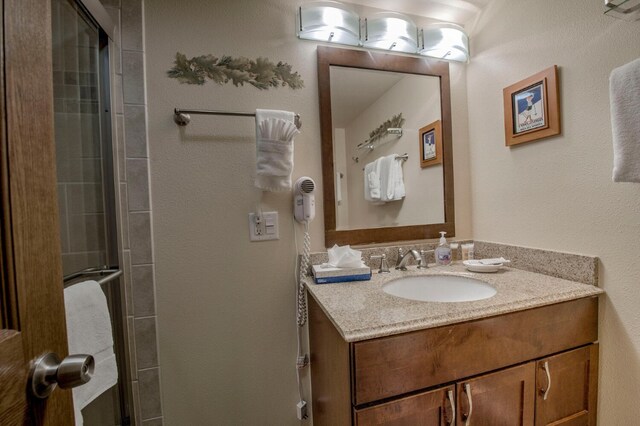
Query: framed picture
x=430, y=144
x=531, y=108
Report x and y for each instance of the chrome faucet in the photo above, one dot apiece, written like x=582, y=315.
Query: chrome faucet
x=402, y=263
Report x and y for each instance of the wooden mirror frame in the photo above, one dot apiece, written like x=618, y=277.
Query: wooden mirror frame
x=328, y=56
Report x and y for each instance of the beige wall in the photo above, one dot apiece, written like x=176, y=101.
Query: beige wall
x=558, y=193
x=225, y=305
x=418, y=99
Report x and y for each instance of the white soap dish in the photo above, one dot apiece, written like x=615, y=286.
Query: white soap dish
x=478, y=266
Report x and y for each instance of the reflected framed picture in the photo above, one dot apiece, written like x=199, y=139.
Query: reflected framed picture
x=430, y=144
x=531, y=108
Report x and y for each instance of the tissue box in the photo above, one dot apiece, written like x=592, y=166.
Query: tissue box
x=329, y=274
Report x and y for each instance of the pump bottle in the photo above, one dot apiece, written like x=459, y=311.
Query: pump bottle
x=443, y=251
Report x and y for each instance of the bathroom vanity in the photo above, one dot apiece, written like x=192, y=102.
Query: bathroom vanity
x=526, y=356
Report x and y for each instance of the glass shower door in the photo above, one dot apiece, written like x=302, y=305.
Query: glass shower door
x=86, y=179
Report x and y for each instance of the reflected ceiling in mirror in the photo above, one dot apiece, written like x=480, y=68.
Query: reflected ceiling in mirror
x=361, y=101
x=362, y=94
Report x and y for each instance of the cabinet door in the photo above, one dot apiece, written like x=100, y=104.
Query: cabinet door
x=504, y=398
x=433, y=408
x=566, y=387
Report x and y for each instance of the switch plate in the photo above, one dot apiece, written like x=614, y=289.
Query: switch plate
x=266, y=229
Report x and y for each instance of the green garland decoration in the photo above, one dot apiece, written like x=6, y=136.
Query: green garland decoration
x=261, y=73
x=381, y=131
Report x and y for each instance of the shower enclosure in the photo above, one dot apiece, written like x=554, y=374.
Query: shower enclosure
x=86, y=178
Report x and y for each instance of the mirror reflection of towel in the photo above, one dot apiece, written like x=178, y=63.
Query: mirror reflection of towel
x=391, y=178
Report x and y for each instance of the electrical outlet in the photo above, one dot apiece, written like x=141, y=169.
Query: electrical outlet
x=265, y=228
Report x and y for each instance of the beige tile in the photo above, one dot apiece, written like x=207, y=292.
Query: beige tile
x=126, y=272
x=84, y=198
x=133, y=77
x=143, y=290
x=122, y=163
x=149, y=389
x=86, y=232
x=138, y=184
x=111, y=3
x=133, y=364
x=114, y=45
x=124, y=215
x=135, y=131
x=146, y=346
x=132, y=25
x=118, y=100
x=135, y=389
x=153, y=422
x=140, y=238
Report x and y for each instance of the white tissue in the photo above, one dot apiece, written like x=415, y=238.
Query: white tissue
x=345, y=257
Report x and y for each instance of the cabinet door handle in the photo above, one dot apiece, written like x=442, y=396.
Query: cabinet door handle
x=467, y=390
x=452, y=403
x=544, y=391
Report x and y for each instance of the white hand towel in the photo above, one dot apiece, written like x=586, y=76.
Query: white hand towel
x=338, y=188
x=624, y=93
x=275, y=131
x=89, y=332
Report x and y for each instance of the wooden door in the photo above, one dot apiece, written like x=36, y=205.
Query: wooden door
x=570, y=382
x=32, y=318
x=433, y=408
x=504, y=398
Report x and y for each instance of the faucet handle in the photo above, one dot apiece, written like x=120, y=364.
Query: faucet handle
x=384, y=268
x=422, y=264
x=399, y=257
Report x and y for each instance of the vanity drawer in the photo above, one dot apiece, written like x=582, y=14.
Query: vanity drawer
x=394, y=365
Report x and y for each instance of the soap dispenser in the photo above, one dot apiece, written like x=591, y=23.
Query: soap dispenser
x=443, y=251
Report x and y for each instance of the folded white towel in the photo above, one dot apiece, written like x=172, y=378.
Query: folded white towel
x=89, y=332
x=275, y=131
x=624, y=93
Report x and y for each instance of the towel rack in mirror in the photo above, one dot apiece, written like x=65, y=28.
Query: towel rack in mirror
x=182, y=117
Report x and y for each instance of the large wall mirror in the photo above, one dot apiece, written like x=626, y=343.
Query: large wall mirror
x=386, y=147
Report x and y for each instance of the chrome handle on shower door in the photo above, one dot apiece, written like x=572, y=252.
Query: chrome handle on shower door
x=48, y=372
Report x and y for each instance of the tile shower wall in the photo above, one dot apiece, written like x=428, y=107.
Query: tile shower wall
x=130, y=130
x=78, y=150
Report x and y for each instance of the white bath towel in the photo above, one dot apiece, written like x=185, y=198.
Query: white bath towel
x=624, y=93
x=89, y=332
x=275, y=131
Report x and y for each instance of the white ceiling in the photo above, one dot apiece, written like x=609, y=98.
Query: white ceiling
x=462, y=12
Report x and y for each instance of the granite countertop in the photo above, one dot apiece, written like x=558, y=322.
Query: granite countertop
x=361, y=310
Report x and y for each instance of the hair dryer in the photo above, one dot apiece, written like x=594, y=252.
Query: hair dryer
x=304, y=202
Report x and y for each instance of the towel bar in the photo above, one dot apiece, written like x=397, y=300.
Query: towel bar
x=182, y=117
x=108, y=275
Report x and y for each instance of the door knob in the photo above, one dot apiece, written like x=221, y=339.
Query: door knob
x=48, y=371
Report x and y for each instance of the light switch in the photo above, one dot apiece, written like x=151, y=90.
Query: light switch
x=265, y=229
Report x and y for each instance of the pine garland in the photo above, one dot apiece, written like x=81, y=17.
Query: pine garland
x=381, y=131
x=261, y=73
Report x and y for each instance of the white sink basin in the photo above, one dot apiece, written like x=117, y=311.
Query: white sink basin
x=439, y=288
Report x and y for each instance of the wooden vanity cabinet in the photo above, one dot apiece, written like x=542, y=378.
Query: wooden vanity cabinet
x=495, y=367
x=503, y=398
x=567, y=388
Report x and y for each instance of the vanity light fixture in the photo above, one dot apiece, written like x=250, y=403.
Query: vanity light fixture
x=391, y=31
x=328, y=21
x=445, y=41
x=332, y=22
